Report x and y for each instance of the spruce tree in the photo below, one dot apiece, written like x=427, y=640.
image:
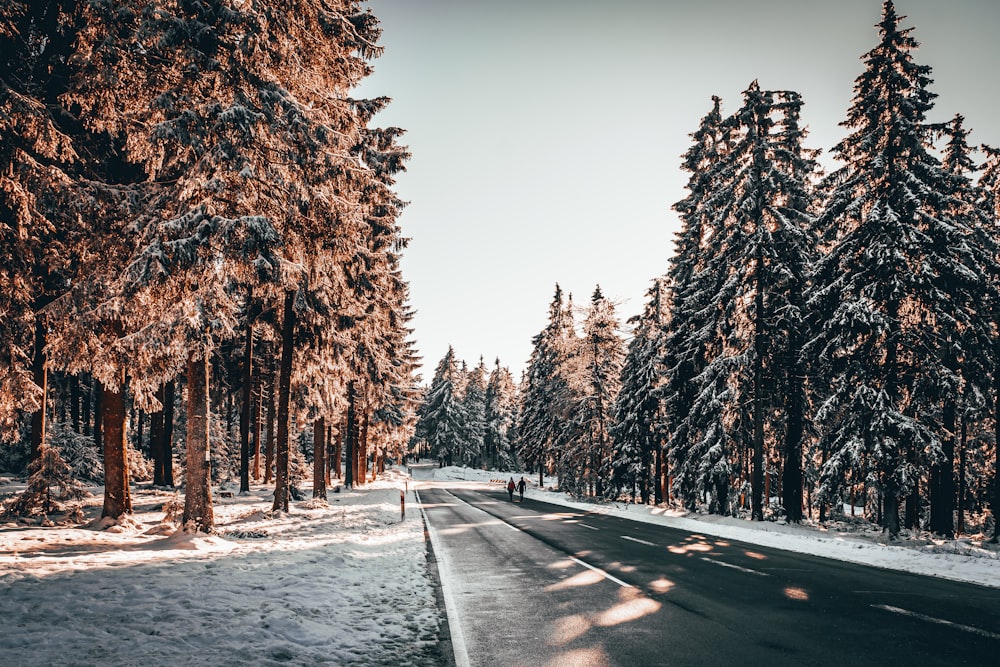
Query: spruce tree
x=896, y=275
x=500, y=412
x=544, y=409
x=638, y=430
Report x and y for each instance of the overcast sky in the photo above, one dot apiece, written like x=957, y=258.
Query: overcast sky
x=547, y=134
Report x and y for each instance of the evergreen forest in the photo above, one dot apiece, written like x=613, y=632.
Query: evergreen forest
x=200, y=282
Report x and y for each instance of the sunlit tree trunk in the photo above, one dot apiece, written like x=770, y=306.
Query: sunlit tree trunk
x=319, y=458
x=281, y=482
x=198, y=512
x=245, y=410
x=117, y=496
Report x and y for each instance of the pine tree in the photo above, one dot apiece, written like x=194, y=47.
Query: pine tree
x=441, y=417
x=638, y=430
x=499, y=414
x=543, y=414
x=896, y=275
x=988, y=204
x=689, y=322
x=474, y=407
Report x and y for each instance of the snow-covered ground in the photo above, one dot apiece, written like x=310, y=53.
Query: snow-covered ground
x=339, y=583
x=964, y=559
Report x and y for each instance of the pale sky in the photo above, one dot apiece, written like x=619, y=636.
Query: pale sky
x=547, y=134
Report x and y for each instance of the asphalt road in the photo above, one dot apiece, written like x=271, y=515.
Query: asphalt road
x=529, y=583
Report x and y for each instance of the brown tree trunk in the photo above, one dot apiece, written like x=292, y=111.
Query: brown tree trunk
x=74, y=402
x=198, y=513
x=350, y=435
x=156, y=439
x=269, y=442
x=41, y=377
x=281, y=482
x=319, y=458
x=255, y=424
x=245, y=409
x=166, y=443
x=117, y=496
x=329, y=439
x=85, y=409
x=338, y=451
x=99, y=415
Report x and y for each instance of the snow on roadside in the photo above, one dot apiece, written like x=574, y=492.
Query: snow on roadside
x=337, y=583
x=961, y=559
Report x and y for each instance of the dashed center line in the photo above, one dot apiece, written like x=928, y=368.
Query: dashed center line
x=636, y=539
x=583, y=525
x=601, y=572
x=939, y=621
x=735, y=567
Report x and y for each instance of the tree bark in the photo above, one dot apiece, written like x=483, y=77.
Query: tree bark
x=791, y=469
x=269, y=442
x=350, y=436
x=166, y=443
x=41, y=377
x=99, y=415
x=319, y=458
x=74, y=402
x=198, y=513
x=255, y=423
x=117, y=496
x=281, y=482
x=245, y=410
x=156, y=438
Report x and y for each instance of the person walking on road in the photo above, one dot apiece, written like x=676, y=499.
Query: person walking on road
x=520, y=488
x=510, y=489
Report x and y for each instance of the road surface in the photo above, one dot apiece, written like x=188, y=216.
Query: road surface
x=530, y=583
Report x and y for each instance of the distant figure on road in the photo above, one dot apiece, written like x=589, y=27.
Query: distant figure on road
x=510, y=489
x=520, y=488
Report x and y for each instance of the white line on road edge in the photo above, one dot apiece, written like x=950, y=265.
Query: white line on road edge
x=602, y=573
x=735, y=567
x=636, y=539
x=940, y=621
x=455, y=629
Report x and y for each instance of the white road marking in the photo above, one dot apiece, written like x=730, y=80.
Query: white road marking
x=735, y=567
x=444, y=568
x=636, y=539
x=602, y=573
x=583, y=525
x=939, y=621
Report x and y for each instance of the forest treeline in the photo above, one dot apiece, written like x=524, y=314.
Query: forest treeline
x=195, y=214
x=819, y=343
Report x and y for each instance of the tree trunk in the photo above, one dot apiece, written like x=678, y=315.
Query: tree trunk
x=245, y=410
x=117, y=497
x=281, y=482
x=198, y=513
x=41, y=377
x=156, y=438
x=319, y=458
x=329, y=440
x=351, y=436
x=757, y=461
x=269, y=442
x=791, y=470
x=961, y=476
x=74, y=402
x=942, y=479
x=338, y=451
x=255, y=423
x=99, y=415
x=167, y=441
